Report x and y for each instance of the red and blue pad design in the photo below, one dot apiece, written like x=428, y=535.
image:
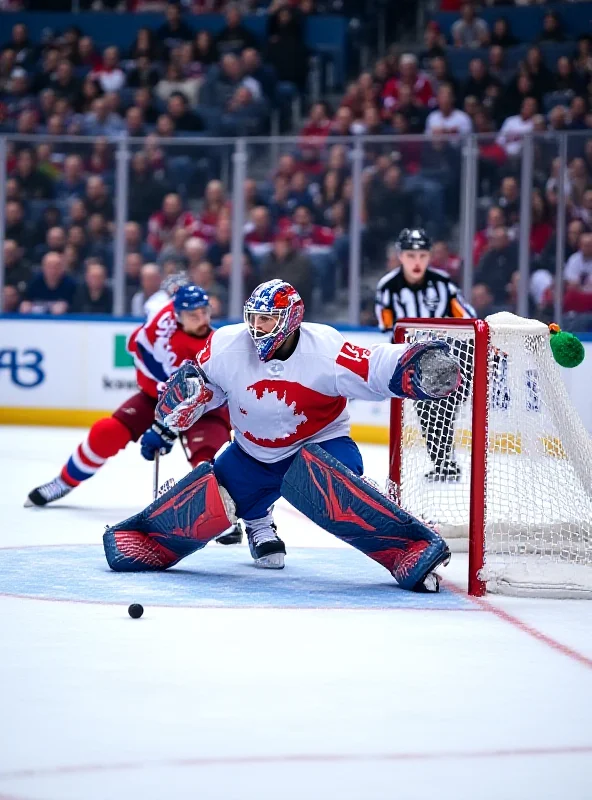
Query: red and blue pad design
x=334, y=497
x=175, y=525
x=407, y=381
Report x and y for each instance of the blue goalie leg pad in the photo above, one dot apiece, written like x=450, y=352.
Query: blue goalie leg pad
x=339, y=501
x=183, y=520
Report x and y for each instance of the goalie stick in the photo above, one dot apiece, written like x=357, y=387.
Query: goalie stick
x=155, y=475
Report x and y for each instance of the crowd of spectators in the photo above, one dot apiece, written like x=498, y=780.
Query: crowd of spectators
x=189, y=6
x=174, y=81
x=545, y=91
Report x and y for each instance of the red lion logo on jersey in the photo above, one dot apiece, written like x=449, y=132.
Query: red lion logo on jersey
x=295, y=411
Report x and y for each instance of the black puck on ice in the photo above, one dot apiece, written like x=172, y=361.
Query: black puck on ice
x=135, y=610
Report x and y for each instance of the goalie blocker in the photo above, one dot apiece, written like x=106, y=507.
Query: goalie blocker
x=321, y=487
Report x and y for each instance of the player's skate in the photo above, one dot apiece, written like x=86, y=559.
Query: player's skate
x=48, y=492
x=431, y=582
x=234, y=535
x=265, y=545
x=444, y=472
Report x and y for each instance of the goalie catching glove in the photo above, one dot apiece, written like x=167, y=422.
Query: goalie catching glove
x=426, y=371
x=184, y=398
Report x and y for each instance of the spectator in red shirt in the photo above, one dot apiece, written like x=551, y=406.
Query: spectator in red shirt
x=310, y=161
x=317, y=125
x=444, y=260
x=541, y=229
x=481, y=243
x=353, y=99
x=369, y=89
x=409, y=75
x=313, y=238
x=215, y=204
x=317, y=241
x=259, y=233
x=162, y=224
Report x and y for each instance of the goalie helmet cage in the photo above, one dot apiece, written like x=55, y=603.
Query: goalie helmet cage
x=523, y=501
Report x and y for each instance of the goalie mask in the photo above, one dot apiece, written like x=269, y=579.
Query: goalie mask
x=272, y=313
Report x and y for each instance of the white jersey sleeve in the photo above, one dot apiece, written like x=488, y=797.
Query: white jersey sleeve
x=364, y=373
x=207, y=360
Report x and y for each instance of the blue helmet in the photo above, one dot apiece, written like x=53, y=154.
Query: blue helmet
x=277, y=299
x=186, y=298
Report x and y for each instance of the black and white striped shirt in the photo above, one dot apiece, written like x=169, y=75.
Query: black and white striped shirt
x=435, y=296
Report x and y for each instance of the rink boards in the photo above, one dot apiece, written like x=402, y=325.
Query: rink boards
x=72, y=371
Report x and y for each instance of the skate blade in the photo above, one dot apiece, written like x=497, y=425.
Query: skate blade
x=272, y=561
x=30, y=504
x=229, y=539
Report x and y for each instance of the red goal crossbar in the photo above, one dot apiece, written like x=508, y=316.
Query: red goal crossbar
x=479, y=437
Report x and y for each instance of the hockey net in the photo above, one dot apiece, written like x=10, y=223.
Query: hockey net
x=503, y=467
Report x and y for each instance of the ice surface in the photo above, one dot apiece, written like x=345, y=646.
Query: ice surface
x=320, y=681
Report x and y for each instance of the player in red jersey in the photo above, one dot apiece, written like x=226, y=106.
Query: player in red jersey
x=177, y=332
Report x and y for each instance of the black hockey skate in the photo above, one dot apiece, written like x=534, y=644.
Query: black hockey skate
x=234, y=535
x=47, y=493
x=266, y=547
x=431, y=583
x=446, y=472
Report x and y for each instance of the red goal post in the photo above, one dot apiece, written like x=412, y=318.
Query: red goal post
x=479, y=417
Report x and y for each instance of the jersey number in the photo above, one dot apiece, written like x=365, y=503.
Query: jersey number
x=356, y=359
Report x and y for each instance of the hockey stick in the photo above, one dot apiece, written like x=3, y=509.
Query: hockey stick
x=155, y=474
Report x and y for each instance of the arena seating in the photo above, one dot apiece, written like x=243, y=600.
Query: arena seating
x=90, y=78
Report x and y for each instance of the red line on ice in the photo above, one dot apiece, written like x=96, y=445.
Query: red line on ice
x=245, y=607
x=531, y=631
x=296, y=758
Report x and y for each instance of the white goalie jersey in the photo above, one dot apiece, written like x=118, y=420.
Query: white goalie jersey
x=276, y=406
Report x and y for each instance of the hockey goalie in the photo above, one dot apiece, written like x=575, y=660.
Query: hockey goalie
x=287, y=384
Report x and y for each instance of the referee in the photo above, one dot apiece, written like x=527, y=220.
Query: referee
x=414, y=289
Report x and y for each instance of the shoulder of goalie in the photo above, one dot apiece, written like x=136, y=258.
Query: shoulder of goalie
x=178, y=523
x=426, y=371
x=183, y=398
x=349, y=507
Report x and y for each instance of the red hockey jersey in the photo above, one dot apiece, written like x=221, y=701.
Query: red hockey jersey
x=159, y=347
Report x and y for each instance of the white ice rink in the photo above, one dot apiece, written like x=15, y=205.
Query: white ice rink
x=321, y=681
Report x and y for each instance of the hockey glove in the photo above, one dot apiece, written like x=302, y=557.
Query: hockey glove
x=157, y=439
x=184, y=398
x=426, y=371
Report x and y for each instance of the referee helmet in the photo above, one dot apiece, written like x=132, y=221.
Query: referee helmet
x=413, y=239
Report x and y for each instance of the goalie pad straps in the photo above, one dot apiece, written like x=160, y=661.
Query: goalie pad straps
x=178, y=523
x=339, y=501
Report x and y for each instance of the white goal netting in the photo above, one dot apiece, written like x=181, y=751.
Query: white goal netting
x=538, y=498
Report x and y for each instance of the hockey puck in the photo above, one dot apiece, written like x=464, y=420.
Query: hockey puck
x=135, y=610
